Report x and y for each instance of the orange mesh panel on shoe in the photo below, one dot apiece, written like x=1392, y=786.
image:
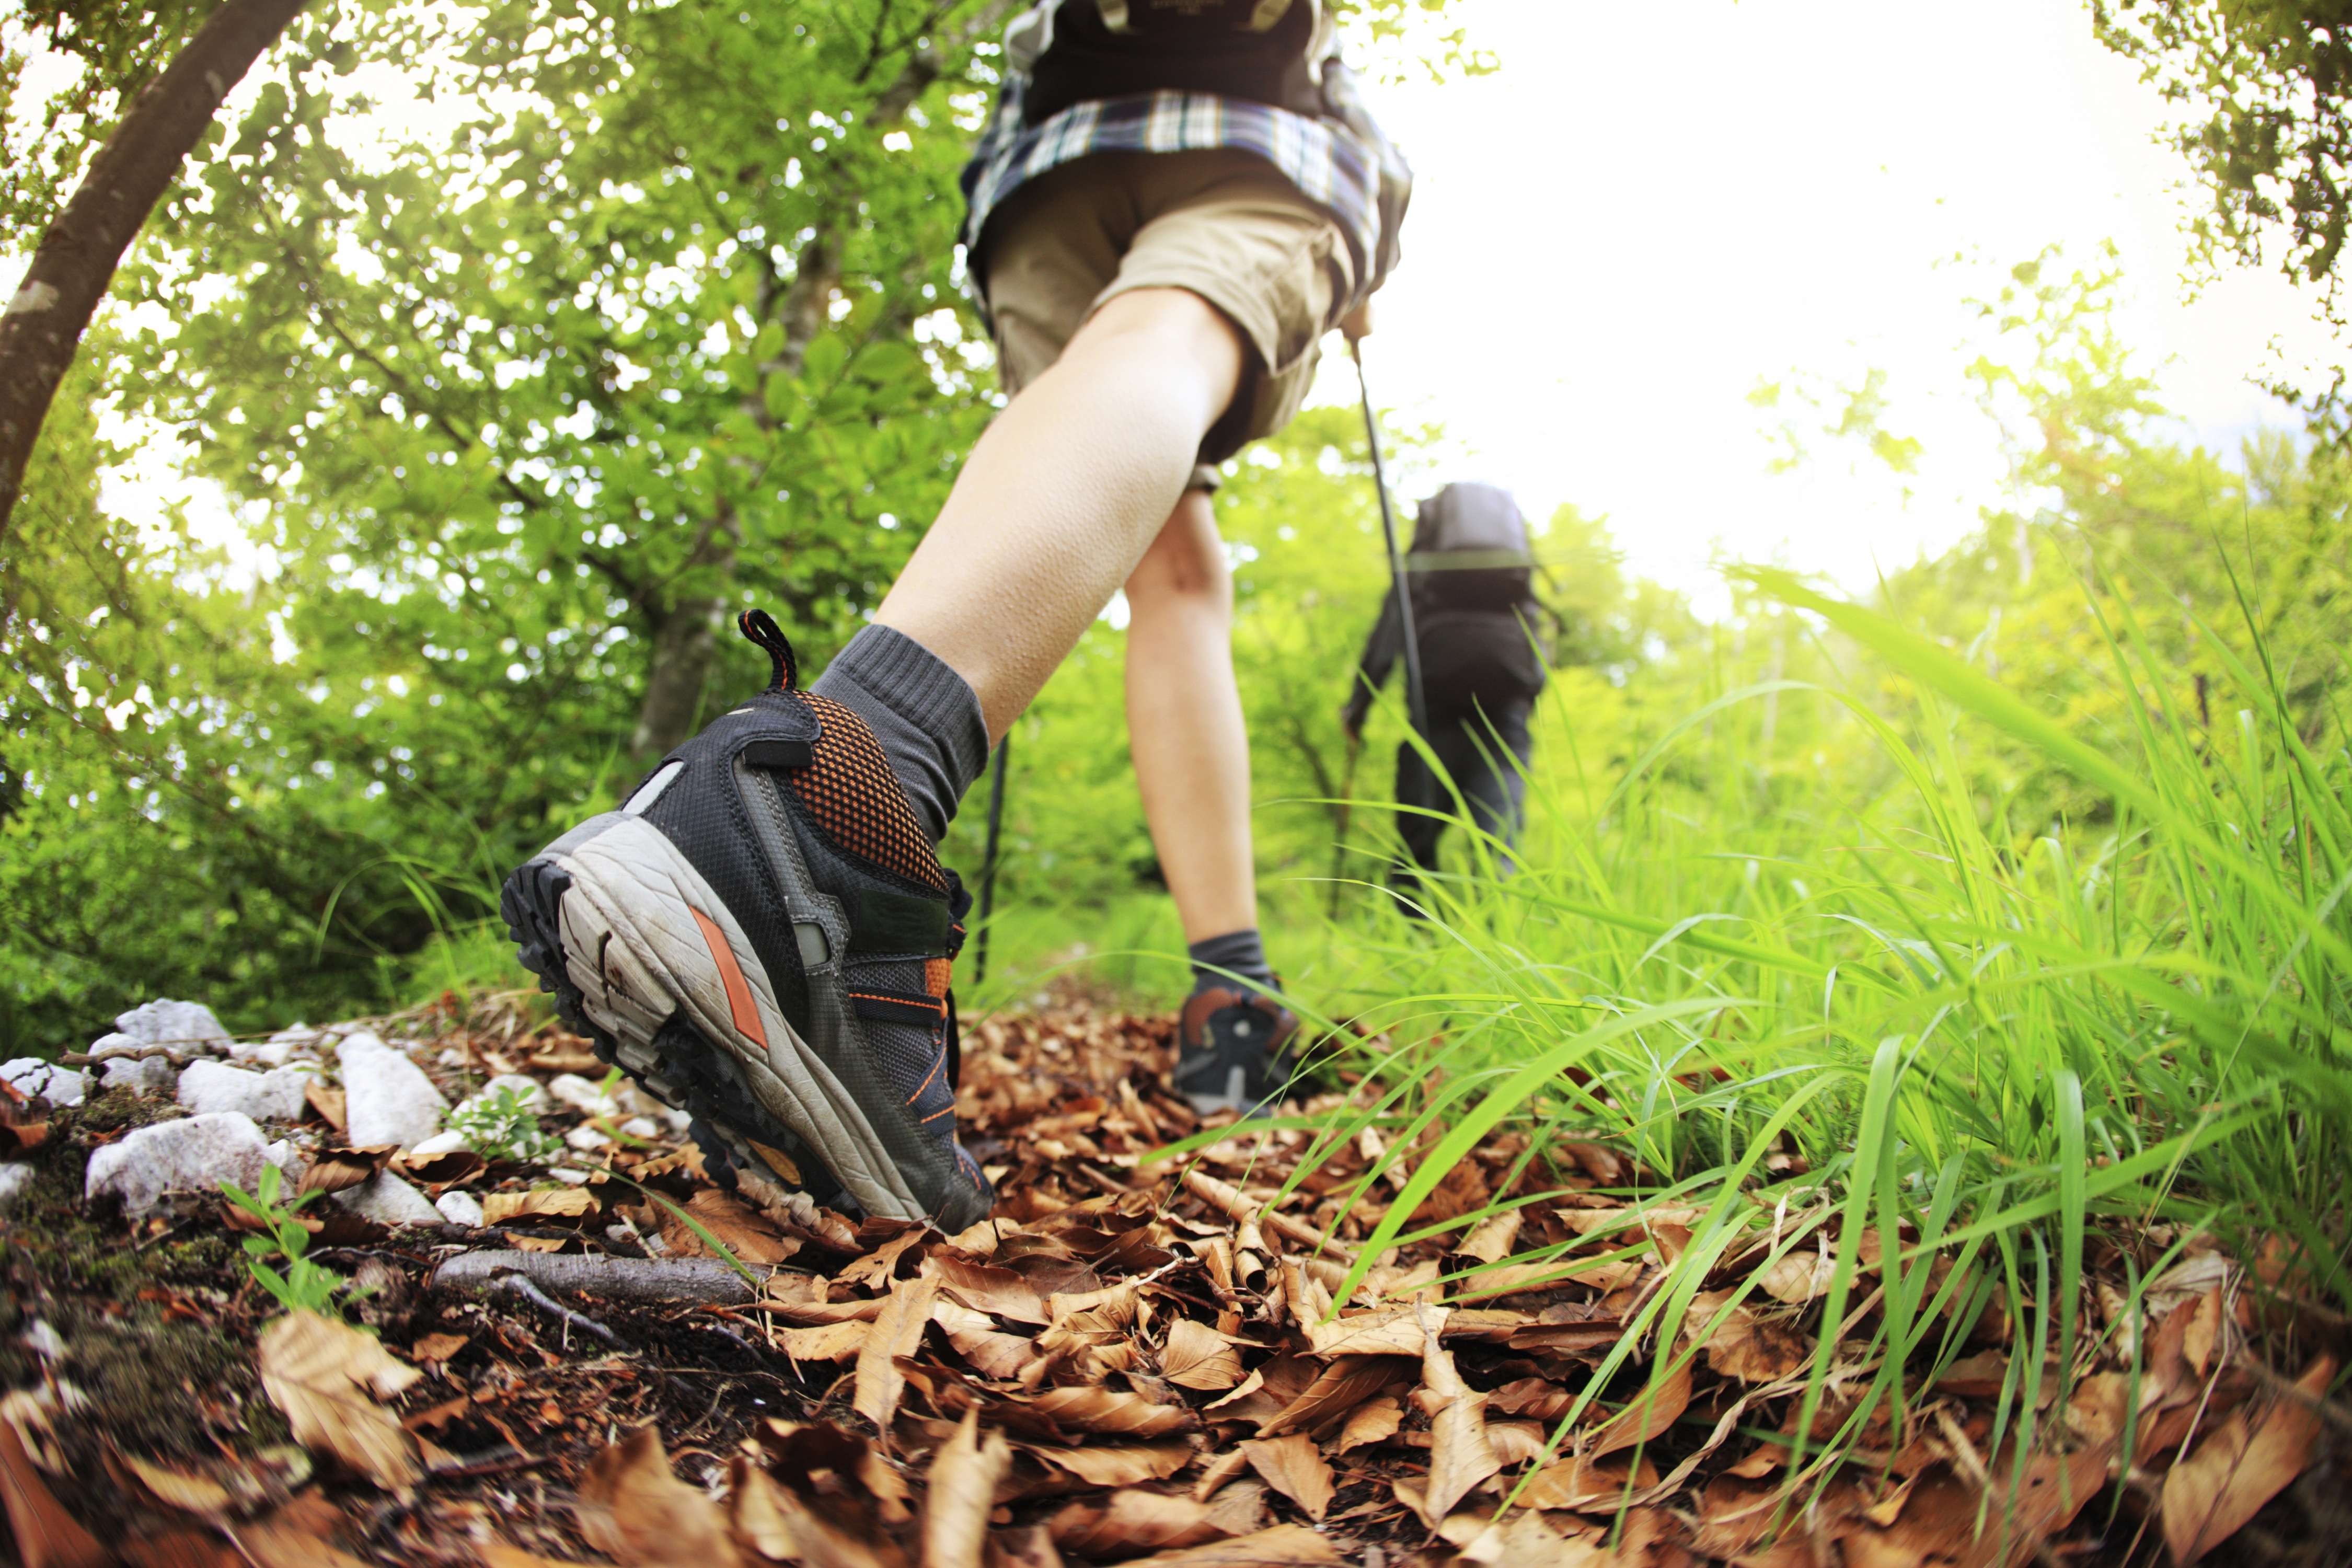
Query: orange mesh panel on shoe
x=938, y=975
x=855, y=797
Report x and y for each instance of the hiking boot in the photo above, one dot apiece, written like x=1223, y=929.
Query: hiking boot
x=762, y=936
x=1232, y=1051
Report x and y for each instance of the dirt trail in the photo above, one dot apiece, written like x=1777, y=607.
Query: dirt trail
x=1131, y=1362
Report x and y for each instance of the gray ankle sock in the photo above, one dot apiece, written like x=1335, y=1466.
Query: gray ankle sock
x=923, y=712
x=1238, y=952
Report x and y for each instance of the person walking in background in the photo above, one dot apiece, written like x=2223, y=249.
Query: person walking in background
x=1173, y=201
x=1471, y=575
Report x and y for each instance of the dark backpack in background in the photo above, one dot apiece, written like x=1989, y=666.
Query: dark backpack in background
x=1253, y=49
x=1470, y=551
x=1473, y=605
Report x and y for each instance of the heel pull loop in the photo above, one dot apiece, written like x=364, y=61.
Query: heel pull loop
x=758, y=627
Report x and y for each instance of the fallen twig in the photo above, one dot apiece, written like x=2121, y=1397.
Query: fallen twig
x=645, y=1280
x=521, y=1284
x=1229, y=1202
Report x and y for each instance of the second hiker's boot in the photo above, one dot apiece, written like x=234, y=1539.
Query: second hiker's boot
x=1233, y=1051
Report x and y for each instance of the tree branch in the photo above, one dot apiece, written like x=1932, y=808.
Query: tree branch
x=77, y=256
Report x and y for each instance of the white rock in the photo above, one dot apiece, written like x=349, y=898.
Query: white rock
x=582, y=1096
x=15, y=1180
x=570, y=1177
x=529, y=1090
x=268, y=1053
x=273, y=1096
x=289, y=1159
x=642, y=1127
x=36, y=1078
x=387, y=1200
x=440, y=1143
x=679, y=1120
x=182, y=1025
x=452, y=1057
x=43, y=1341
x=586, y=1138
x=459, y=1209
x=387, y=1097
x=194, y=1155
x=151, y=1074
x=116, y=1045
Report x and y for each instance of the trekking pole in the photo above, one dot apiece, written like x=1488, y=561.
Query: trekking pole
x=1415, y=708
x=988, y=856
x=1347, y=809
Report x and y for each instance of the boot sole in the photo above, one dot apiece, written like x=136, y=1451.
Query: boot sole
x=644, y=959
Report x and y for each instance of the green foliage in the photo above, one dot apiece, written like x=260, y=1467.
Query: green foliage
x=501, y=1126
x=115, y=49
x=304, y=1286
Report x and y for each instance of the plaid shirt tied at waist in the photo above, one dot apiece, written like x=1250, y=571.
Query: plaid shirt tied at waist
x=1341, y=161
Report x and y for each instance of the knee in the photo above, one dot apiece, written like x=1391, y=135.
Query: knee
x=1184, y=571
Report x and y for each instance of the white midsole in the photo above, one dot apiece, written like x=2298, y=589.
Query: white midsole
x=631, y=945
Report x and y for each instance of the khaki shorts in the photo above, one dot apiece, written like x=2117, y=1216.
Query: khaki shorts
x=1220, y=223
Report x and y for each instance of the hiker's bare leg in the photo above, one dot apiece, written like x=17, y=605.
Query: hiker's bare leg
x=1064, y=493
x=1184, y=722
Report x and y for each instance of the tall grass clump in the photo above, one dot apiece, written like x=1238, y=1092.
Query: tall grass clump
x=1879, y=1000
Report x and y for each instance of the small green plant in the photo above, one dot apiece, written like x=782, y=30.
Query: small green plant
x=500, y=1126
x=304, y=1286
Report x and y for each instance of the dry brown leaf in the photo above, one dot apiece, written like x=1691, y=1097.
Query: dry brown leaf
x=986, y=1287
x=634, y=1509
x=1745, y=1344
x=1491, y=1239
x=47, y=1536
x=1515, y=1442
x=2242, y=1465
x=1459, y=1455
x=1110, y=1410
x=1650, y=1412
x=1372, y=1422
x=876, y=1268
x=1130, y=1521
x=1346, y=1383
x=1198, y=1357
x=1029, y=1547
x=1526, y=1539
x=329, y=1102
x=826, y=1342
x=1583, y=1486
x=499, y=1554
x=1119, y=1464
x=897, y=1332
x=1798, y=1277
x=1283, y=1546
x=276, y=1544
x=1240, y=1507
x=177, y=1488
x=320, y=1372
x=1292, y=1467
x=438, y=1347
x=961, y=1488
x=1394, y=1330
x=560, y=1202
x=736, y=1225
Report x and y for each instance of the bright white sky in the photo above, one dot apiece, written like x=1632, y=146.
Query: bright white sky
x=1652, y=206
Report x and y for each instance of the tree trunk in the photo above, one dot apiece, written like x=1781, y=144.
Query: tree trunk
x=77, y=258
x=684, y=641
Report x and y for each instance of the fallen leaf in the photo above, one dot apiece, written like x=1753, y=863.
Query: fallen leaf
x=1110, y=1410
x=1283, y=1546
x=2242, y=1465
x=1292, y=1467
x=47, y=1536
x=438, y=1347
x=1396, y=1330
x=1338, y=1390
x=897, y=1332
x=1742, y=1342
x=320, y=1372
x=1130, y=1521
x=329, y=1102
x=961, y=1488
x=1240, y=1507
x=1652, y=1412
x=1586, y=1487
x=875, y=1269
x=560, y=1202
x=1515, y=1442
x=737, y=1227
x=177, y=1488
x=1372, y=1422
x=1491, y=1238
x=1979, y=1376
x=634, y=1509
x=1119, y=1464
x=1526, y=1540
x=1798, y=1277
x=179, y=1549
x=278, y=1544
x=499, y=1554
x=826, y=1342
x=986, y=1287
x=1198, y=1357
x=1459, y=1455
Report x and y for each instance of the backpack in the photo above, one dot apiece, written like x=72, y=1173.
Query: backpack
x=1470, y=551
x=1269, y=51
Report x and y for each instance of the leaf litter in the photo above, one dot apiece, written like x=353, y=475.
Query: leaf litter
x=1188, y=1359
